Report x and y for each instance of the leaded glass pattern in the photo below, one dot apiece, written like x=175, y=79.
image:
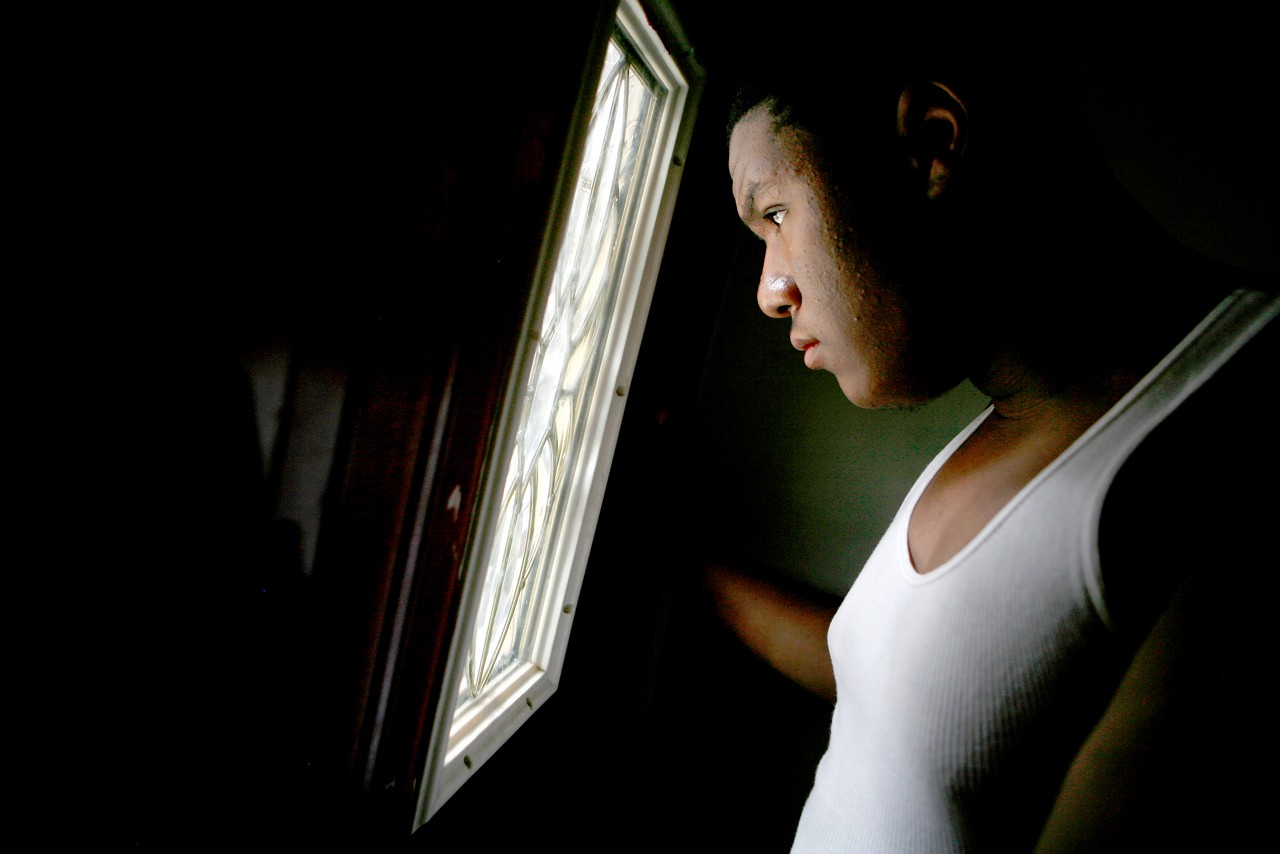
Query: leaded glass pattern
x=564, y=372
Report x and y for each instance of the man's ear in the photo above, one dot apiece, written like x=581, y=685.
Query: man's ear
x=934, y=123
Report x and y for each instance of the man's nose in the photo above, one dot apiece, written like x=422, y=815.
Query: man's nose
x=778, y=295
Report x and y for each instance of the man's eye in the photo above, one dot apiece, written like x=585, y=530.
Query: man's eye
x=776, y=216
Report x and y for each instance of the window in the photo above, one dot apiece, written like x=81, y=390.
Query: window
x=564, y=406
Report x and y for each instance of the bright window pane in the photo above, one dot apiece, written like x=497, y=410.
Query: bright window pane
x=564, y=372
x=564, y=408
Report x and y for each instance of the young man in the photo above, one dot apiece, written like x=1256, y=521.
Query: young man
x=1049, y=641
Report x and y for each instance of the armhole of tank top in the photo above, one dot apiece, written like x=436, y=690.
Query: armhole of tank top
x=1210, y=346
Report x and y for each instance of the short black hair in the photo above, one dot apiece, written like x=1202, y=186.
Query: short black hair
x=845, y=65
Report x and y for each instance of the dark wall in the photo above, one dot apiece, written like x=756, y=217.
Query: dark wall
x=217, y=200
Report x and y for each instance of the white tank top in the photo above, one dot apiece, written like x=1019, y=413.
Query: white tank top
x=964, y=693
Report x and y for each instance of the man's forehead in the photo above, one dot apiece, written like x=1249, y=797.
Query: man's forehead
x=754, y=158
x=750, y=135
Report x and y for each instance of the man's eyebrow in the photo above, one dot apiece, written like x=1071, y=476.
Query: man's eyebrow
x=748, y=208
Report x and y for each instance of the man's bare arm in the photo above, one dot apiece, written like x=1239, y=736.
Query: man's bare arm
x=1168, y=762
x=784, y=627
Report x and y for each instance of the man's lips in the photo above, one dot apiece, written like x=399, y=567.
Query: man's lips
x=806, y=344
x=810, y=349
x=801, y=340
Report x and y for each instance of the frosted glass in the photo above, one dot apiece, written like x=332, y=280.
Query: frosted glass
x=563, y=373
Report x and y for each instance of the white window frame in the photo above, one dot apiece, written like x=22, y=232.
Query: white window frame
x=457, y=748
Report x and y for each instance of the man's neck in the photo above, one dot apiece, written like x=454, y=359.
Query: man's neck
x=1119, y=309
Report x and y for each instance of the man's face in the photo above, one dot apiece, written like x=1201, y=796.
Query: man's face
x=845, y=316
